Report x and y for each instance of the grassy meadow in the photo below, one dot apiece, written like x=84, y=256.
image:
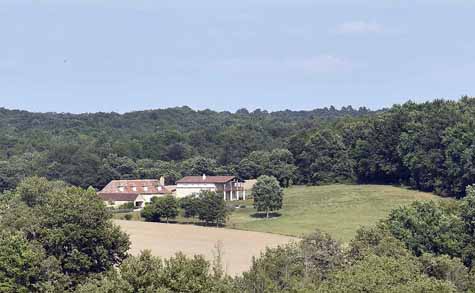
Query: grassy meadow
x=337, y=209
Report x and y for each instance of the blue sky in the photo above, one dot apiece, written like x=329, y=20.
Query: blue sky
x=124, y=55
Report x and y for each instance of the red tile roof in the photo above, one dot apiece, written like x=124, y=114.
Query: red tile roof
x=118, y=196
x=207, y=179
x=136, y=186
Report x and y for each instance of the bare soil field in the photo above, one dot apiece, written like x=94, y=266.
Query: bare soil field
x=165, y=240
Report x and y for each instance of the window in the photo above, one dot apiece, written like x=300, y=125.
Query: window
x=121, y=189
x=145, y=188
x=134, y=188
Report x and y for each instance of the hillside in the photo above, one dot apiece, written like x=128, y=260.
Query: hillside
x=337, y=209
x=428, y=146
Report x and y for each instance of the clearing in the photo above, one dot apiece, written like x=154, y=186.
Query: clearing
x=337, y=209
x=165, y=240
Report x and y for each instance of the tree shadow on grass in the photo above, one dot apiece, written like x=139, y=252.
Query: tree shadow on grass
x=263, y=215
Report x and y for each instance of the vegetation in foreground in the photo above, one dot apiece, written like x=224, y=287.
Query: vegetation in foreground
x=56, y=238
x=339, y=210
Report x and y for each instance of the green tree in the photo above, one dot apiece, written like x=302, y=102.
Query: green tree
x=212, y=208
x=281, y=166
x=20, y=264
x=167, y=207
x=449, y=269
x=147, y=273
x=329, y=158
x=198, y=166
x=384, y=274
x=267, y=194
x=161, y=207
x=467, y=214
x=321, y=255
x=279, y=269
x=70, y=224
x=428, y=227
x=189, y=205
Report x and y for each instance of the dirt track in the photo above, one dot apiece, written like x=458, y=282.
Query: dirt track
x=166, y=239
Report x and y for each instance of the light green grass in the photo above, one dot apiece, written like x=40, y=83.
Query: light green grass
x=337, y=209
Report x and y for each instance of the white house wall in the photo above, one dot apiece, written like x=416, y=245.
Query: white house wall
x=184, y=190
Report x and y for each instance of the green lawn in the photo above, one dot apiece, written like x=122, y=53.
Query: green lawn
x=337, y=209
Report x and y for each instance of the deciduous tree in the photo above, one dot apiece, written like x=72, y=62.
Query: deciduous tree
x=267, y=194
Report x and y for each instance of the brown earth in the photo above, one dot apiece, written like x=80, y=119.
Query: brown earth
x=165, y=240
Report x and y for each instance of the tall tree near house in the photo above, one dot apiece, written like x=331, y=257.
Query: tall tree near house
x=189, y=205
x=212, y=208
x=267, y=194
x=161, y=207
x=167, y=207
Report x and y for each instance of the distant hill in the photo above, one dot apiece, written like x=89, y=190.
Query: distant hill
x=180, y=118
x=428, y=146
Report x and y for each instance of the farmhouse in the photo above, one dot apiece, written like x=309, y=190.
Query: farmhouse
x=118, y=192
x=229, y=186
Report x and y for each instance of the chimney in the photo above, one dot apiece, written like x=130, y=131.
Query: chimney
x=162, y=180
x=204, y=177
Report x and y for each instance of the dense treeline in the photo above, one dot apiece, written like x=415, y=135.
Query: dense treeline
x=428, y=146
x=91, y=149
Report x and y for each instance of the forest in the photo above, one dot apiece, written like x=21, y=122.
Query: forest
x=427, y=146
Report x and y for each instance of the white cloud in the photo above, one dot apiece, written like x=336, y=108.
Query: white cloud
x=359, y=27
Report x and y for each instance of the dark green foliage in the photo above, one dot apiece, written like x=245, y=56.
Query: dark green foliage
x=278, y=269
x=375, y=241
x=199, y=165
x=189, y=205
x=384, y=274
x=297, y=267
x=92, y=149
x=146, y=273
x=278, y=163
x=321, y=255
x=267, y=194
x=447, y=269
x=327, y=159
x=428, y=146
x=212, y=208
x=467, y=214
x=70, y=225
x=127, y=206
x=20, y=264
x=165, y=207
x=427, y=227
x=445, y=228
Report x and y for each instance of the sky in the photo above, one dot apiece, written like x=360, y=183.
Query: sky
x=125, y=55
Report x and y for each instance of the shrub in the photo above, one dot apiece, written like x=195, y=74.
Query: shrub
x=160, y=207
x=127, y=206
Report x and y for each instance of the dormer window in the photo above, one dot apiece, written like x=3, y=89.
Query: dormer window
x=145, y=188
x=121, y=189
x=134, y=188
